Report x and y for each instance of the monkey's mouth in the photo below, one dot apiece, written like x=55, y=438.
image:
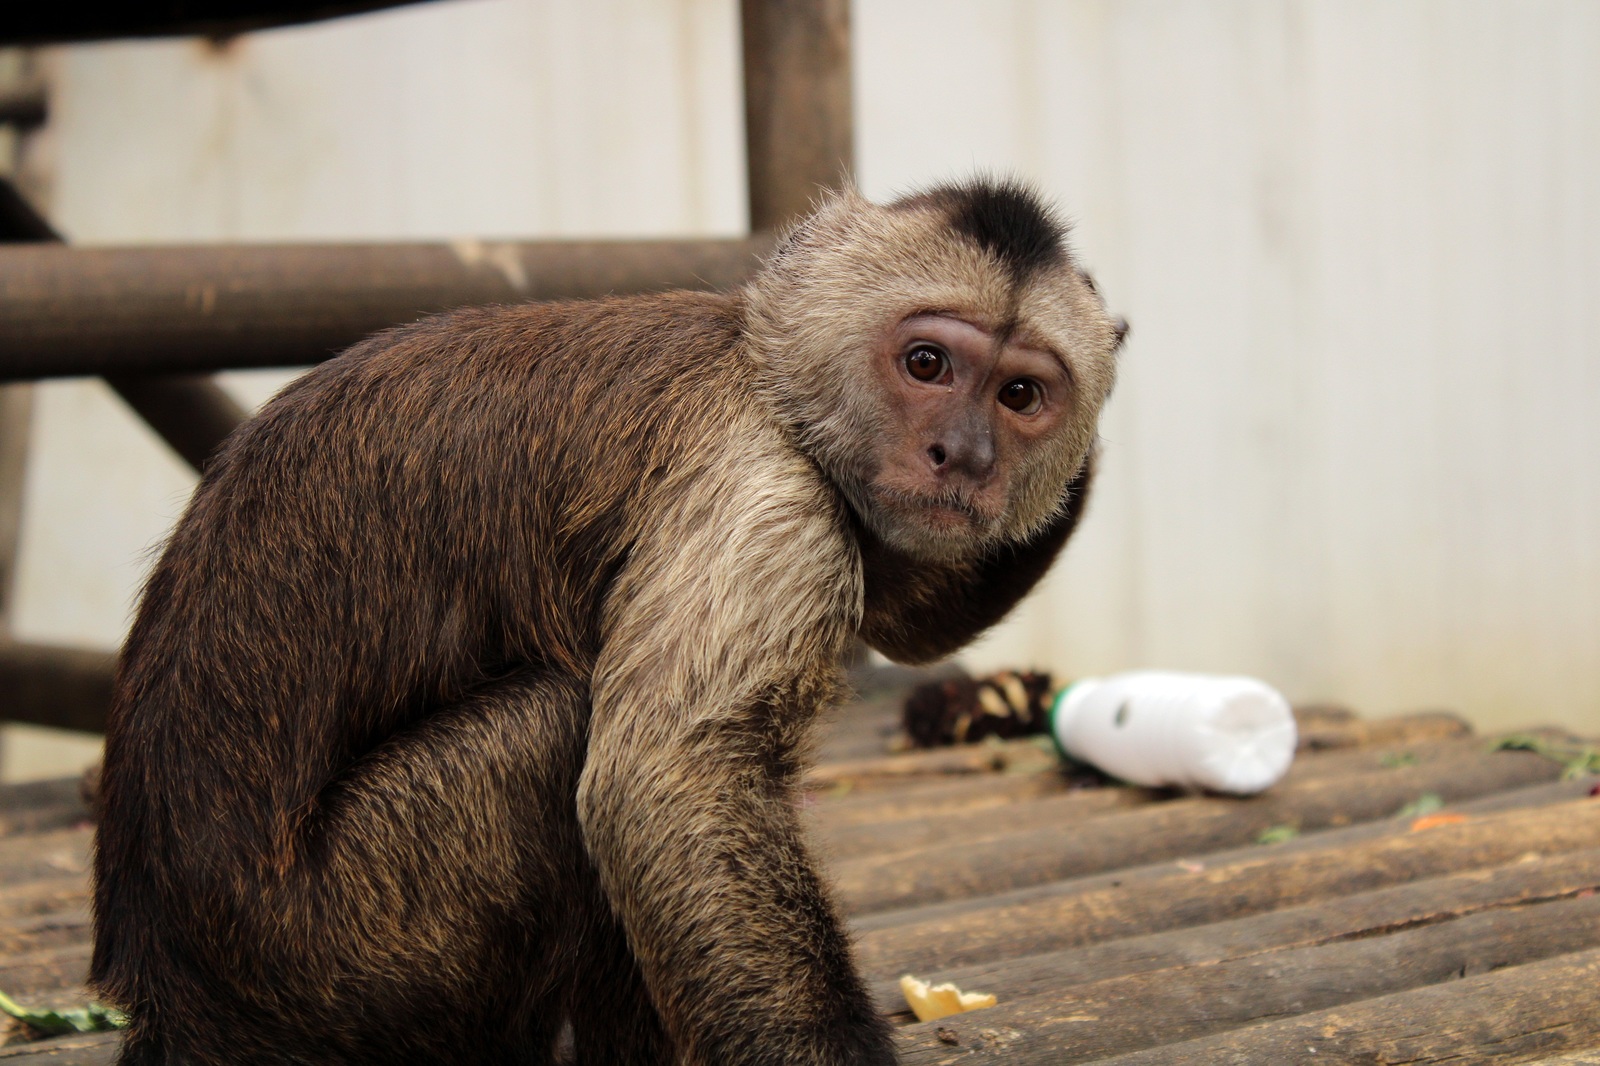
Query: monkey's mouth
x=945, y=510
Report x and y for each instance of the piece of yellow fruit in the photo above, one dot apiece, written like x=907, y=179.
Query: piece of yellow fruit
x=941, y=1001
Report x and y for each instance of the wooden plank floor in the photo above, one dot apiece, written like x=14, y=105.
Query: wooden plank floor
x=1116, y=924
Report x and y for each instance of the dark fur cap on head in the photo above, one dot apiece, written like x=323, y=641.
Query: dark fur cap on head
x=1006, y=219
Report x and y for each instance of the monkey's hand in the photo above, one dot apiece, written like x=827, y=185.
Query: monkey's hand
x=917, y=611
x=721, y=643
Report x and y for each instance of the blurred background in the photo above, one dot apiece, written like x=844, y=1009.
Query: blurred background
x=1355, y=445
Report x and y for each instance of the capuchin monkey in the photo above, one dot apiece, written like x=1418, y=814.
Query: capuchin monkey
x=470, y=696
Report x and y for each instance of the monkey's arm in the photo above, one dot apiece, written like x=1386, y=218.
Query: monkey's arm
x=917, y=611
x=720, y=643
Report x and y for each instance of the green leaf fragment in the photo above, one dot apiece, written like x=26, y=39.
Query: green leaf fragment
x=92, y=1018
x=1393, y=760
x=1427, y=803
x=1277, y=834
x=1521, y=742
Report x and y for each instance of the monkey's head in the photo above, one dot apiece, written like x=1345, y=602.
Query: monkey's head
x=941, y=357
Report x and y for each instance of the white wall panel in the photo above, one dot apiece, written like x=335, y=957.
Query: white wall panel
x=1356, y=446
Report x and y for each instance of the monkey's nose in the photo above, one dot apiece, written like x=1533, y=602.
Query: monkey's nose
x=970, y=455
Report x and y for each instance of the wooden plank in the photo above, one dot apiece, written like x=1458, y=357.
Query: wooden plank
x=861, y=730
x=1027, y=755
x=90, y=1049
x=898, y=826
x=1032, y=754
x=1424, y=902
x=913, y=797
x=928, y=798
x=35, y=806
x=1172, y=895
x=22, y=935
x=928, y=833
x=1511, y=1015
x=55, y=893
x=45, y=856
x=49, y=977
x=1414, y=727
x=1324, y=728
x=965, y=867
x=1129, y=1013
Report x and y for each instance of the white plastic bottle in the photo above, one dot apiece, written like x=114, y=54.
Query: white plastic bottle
x=1160, y=728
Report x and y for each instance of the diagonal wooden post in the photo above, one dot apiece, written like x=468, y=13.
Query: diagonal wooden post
x=191, y=412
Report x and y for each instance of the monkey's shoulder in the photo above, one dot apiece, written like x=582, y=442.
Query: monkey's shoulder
x=617, y=334
x=562, y=382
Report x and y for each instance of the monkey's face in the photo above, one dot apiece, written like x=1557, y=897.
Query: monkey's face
x=941, y=358
x=966, y=404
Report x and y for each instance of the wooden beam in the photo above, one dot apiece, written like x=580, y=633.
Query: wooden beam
x=67, y=688
x=799, y=127
x=67, y=311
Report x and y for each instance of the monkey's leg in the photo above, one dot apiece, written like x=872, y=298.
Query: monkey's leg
x=702, y=855
x=418, y=912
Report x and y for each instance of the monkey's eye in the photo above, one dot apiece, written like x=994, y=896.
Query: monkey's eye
x=1022, y=395
x=925, y=362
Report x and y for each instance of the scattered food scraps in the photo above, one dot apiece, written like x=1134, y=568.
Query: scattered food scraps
x=1277, y=834
x=1429, y=821
x=1576, y=758
x=961, y=710
x=93, y=1018
x=941, y=1001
